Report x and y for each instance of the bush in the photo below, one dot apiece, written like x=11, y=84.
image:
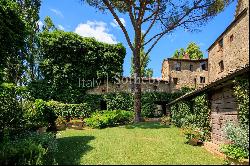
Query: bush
x=234, y=152
x=70, y=110
x=11, y=113
x=239, y=137
x=30, y=149
x=39, y=114
x=166, y=120
x=191, y=132
x=104, y=119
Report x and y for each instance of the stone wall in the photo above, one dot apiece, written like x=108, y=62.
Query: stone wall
x=223, y=109
x=235, y=50
x=152, y=85
x=186, y=77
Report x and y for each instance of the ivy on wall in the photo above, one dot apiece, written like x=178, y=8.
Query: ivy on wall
x=241, y=92
x=125, y=101
x=68, y=62
x=194, y=112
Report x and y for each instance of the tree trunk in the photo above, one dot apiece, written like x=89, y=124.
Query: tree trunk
x=137, y=77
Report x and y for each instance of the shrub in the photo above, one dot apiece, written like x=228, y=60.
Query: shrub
x=239, y=137
x=191, y=132
x=235, y=152
x=104, y=119
x=11, y=113
x=70, y=110
x=30, y=149
x=40, y=115
x=166, y=120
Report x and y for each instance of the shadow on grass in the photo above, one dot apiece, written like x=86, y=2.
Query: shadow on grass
x=147, y=125
x=71, y=149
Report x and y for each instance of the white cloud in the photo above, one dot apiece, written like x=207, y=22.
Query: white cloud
x=115, y=24
x=61, y=27
x=57, y=12
x=96, y=29
x=40, y=24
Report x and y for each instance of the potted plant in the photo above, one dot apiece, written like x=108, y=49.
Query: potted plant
x=193, y=135
x=60, y=123
x=166, y=120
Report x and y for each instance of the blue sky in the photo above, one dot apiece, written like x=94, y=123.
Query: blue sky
x=72, y=15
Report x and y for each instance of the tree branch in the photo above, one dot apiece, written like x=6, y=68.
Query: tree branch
x=107, y=3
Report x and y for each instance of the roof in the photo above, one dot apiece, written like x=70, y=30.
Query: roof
x=232, y=74
x=229, y=27
x=190, y=60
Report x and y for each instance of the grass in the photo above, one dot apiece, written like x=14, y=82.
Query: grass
x=143, y=143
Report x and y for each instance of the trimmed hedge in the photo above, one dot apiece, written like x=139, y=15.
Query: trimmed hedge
x=102, y=119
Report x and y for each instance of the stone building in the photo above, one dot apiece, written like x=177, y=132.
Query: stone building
x=228, y=58
x=231, y=49
x=126, y=84
x=185, y=73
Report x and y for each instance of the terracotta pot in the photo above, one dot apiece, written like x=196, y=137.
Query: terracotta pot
x=61, y=127
x=193, y=141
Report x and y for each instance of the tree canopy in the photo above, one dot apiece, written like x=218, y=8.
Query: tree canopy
x=12, y=35
x=169, y=15
x=192, y=50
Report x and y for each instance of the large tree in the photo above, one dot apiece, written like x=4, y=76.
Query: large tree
x=12, y=35
x=168, y=14
x=29, y=11
x=145, y=72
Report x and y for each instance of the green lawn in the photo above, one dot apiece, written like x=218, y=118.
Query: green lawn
x=144, y=143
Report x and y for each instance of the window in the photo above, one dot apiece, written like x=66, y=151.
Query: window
x=103, y=90
x=175, y=80
x=195, y=82
x=203, y=65
x=191, y=68
x=202, y=80
x=221, y=43
x=231, y=38
x=221, y=64
x=177, y=66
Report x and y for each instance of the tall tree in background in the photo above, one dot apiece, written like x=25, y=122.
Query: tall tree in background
x=12, y=35
x=144, y=59
x=48, y=24
x=29, y=11
x=193, y=50
x=146, y=14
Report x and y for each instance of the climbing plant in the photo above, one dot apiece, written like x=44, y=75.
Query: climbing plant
x=71, y=64
x=241, y=92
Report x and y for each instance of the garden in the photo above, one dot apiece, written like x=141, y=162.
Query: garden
x=46, y=118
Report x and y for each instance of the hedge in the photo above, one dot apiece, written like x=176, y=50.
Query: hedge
x=125, y=101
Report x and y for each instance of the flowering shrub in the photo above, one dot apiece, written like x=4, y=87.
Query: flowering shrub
x=191, y=132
